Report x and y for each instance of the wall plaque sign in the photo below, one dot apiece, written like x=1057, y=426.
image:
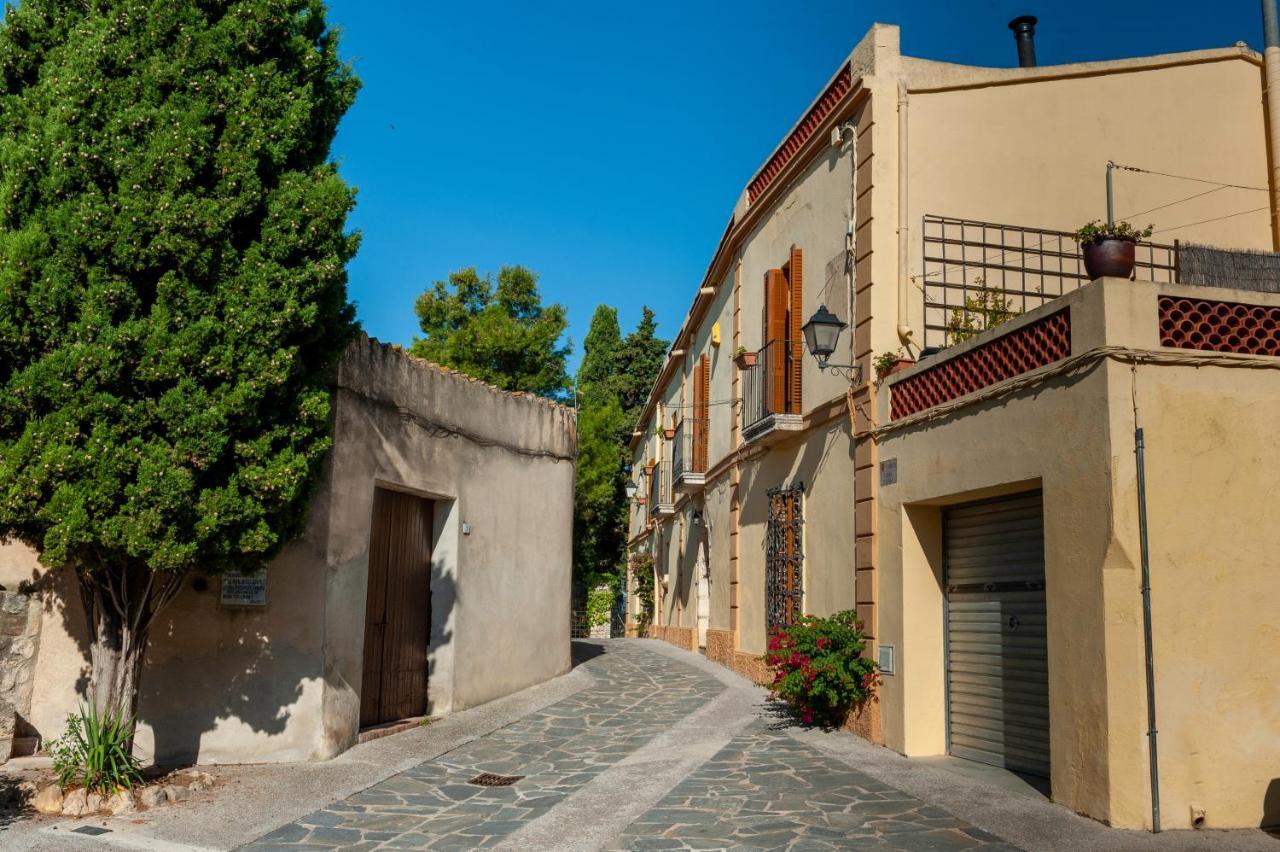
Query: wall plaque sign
x=244, y=589
x=889, y=471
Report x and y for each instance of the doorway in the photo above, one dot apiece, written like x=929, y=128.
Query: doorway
x=397, y=630
x=701, y=569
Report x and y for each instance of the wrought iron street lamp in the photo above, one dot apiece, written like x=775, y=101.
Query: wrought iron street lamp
x=631, y=488
x=821, y=333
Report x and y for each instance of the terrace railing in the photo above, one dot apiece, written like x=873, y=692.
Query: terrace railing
x=966, y=262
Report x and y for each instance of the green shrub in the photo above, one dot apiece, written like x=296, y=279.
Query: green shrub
x=600, y=601
x=642, y=570
x=96, y=752
x=986, y=309
x=819, y=670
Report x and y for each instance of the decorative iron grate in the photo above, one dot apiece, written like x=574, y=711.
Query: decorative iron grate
x=784, y=556
x=489, y=779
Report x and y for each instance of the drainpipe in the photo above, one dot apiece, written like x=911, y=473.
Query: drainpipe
x=1271, y=71
x=905, y=332
x=1139, y=448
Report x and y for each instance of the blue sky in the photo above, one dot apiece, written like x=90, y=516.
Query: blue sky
x=604, y=144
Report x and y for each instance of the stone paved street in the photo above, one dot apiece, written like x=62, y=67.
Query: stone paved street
x=764, y=789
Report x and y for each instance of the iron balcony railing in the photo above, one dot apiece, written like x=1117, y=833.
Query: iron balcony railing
x=660, y=489
x=767, y=386
x=975, y=270
x=689, y=452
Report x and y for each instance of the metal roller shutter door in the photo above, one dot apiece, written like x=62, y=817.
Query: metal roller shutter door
x=997, y=656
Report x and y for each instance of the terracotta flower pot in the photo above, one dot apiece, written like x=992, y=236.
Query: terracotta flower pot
x=900, y=365
x=669, y=433
x=745, y=360
x=1110, y=257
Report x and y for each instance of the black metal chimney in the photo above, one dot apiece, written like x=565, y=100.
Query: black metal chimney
x=1024, y=33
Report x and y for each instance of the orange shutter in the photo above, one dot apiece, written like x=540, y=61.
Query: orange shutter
x=701, y=413
x=775, y=359
x=796, y=337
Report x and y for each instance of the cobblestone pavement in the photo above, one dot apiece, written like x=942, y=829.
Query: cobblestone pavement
x=763, y=790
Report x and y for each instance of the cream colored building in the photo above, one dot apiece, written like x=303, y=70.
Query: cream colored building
x=905, y=187
x=432, y=576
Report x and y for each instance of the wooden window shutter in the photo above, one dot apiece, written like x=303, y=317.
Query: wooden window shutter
x=796, y=337
x=775, y=360
x=701, y=413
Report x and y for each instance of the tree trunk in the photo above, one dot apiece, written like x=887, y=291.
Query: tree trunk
x=121, y=606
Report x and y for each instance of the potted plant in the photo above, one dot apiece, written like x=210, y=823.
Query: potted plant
x=669, y=432
x=743, y=359
x=888, y=363
x=1108, y=248
x=649, y=466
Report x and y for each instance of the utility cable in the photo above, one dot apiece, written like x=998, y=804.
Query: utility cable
x=1186, y=177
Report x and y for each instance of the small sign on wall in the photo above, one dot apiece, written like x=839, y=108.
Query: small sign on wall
x=244, y=589
x=884, y=659
x=888, y=472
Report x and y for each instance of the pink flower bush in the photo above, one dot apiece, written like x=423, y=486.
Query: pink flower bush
x=819, y=670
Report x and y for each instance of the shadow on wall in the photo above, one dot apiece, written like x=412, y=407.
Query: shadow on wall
x=1271, y=807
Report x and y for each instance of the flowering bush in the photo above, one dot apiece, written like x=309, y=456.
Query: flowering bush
x=819, y=670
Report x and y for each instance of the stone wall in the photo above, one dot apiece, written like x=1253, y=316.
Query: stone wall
x=19, y=643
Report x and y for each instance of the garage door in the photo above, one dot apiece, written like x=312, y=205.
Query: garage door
x=997, y=661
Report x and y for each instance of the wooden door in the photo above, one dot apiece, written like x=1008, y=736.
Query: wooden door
x=398, y=611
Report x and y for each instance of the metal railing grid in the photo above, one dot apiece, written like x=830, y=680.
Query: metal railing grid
x=1026, y=266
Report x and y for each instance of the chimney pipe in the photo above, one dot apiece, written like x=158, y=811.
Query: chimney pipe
x=1024, y=33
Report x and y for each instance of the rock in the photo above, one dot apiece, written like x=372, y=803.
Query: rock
x=93, y=803
x=121, y=803
x=48, y=800
x=152, y=796
x=197, y=775
x=73, y=803
x=174, y=793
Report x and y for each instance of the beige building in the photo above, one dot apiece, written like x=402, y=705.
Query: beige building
x=432, y=576
x=908, y=192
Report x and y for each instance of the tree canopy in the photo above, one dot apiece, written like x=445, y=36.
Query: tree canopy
x=615, y=372
x=173, y=254
x=502, y=335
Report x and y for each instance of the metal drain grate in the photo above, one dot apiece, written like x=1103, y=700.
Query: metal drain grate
x=488, y=779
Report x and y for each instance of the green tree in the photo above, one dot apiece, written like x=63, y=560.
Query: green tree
x=172, y=294
x=640, y=361
x=599, y=507
x=502, y=335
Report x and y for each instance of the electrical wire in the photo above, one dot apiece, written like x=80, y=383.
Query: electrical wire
x=1215, y=219
x=1186, y=177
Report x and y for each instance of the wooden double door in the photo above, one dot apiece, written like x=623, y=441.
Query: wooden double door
x=397, y=630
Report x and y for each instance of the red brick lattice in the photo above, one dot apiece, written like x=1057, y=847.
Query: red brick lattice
x=839, y=87
x=1021, y=351
x=1219, y=326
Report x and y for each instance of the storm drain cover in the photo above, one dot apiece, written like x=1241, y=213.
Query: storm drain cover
x=91, y=830
x=488, y=779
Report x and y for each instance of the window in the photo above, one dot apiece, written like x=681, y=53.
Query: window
x=783, y=351
x=784, y=587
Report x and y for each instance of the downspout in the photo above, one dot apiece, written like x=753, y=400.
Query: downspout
x=905, y=332
x=1139, y=448
x=1271, y=71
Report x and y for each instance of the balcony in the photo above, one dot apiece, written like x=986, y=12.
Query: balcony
x=767, y=398
x=661, y=504
x=689, y=456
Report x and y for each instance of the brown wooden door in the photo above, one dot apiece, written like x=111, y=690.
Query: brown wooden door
x=397, y=627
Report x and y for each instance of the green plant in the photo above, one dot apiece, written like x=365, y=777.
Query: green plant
x=642, y=572
x=986, y=309
x=600, y=601
x=174, y=296
x=1097, y=231
x=819, y=670
x=96, y=752
x=740, y=351
x=885, y=360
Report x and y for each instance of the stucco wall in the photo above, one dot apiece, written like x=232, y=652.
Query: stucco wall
x=282, y=682
x=1211, y=446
